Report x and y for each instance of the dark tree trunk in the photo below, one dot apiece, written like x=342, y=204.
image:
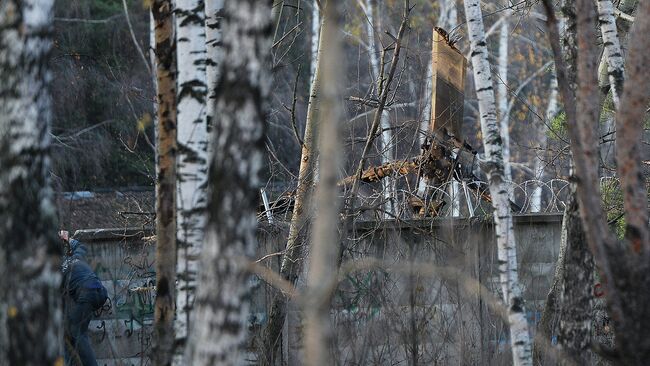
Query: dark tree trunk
x=576, y=310
x=165, y=184
x=632, y=264
x=569, y=308
x=623, y=269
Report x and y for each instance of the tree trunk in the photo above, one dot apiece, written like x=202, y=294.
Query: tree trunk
x=192, y=165
x=502, y=93
x=221, y=309
x=292, y=259
x=622, y=27
x=213, y=9
x=576, y=310
x=163, y=345
x=632, y=268
x=623, y=273
x=154, y=77
x=507, y=251
x=568, y=312
x=569, y=302
x=30, y=308
x=315, y=36
x=549, y=321
x=324, y=252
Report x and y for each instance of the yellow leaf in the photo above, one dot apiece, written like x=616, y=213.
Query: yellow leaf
x=12, y=312
x=144, y=122
x=59, y=361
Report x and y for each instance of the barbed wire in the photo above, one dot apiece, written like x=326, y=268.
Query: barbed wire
x=451, y=199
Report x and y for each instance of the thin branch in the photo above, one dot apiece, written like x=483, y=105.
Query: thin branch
x=293, y=110
x=133, y=37
x=277, y=43
x=88, y=21
x=85, y=130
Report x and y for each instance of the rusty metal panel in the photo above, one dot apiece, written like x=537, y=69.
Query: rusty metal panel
x=448, y=83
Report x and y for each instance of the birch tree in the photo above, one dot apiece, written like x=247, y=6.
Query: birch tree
x=213, y=9
x=315, y=35
x=192, y=139
x=613, y=54
x=30, y=313
x=324, y=252
x=502, y=93
x=618, y=25
x=507, y=250
x=166, y=147
x=222, y=304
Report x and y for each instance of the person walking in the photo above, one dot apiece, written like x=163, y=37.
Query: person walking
x=83, y=293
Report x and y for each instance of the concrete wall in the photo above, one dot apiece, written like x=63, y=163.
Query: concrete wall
x=124, y=261
x=375, y=312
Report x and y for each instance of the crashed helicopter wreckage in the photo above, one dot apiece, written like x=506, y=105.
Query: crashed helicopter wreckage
x=445, y=156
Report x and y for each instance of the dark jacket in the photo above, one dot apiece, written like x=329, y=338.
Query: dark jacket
x=77, y=274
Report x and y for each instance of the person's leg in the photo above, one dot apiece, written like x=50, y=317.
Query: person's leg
x=71, y=326
x=80, y=316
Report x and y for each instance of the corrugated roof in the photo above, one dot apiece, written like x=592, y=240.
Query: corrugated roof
x=106, y=209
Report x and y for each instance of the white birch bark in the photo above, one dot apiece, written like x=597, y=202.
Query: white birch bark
x=507, y=250
x=313, y=65
x=502, y=92
x=191, y=164
x=386, y=134
x=551, y=112
x=219, y=326
x=612, y=46
x=154, y=81
x=213, y=10
x=315, y=34
x=623, y=22
x=30, y=314
x=324, y=250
